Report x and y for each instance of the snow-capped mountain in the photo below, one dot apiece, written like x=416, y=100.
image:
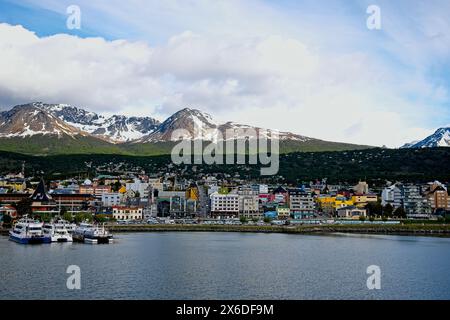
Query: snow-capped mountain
x=40, y=128
x=441, y=138
x=29, y=120
x=194, y=124
x=116, y=128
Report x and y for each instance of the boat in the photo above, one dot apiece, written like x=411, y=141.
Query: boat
x=28, y=231
x=93, y=234
x=70, y=227
x=57, y=232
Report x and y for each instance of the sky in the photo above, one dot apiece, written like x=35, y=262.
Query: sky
x=305, y=66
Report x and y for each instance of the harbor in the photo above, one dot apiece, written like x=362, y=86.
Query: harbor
x=226, y=265
x=30, y=231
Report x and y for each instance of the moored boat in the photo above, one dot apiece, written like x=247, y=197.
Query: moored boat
x=28, y=231
x=93, y=234
x=57, y=232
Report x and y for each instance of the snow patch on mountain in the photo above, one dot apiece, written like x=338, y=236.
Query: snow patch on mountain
x=440, y=138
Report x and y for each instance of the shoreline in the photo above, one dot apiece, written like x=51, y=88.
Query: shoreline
x=439, y=230
x=406, y=230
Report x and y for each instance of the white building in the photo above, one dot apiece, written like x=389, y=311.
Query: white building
x=393, y=195
x=249, y=204
x=224, y=205
x=127, y=213
x=263, y=188
x=111, y=199
x=139, y=186
x=301, y=204
x=361, y=188
x=351, y=212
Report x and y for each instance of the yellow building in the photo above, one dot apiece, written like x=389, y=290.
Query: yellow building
x=362, y=200
x=192, y=193
x=340, y=202
x=283, y=212
x=14, y=186
x=325, y=203
x=330, y=204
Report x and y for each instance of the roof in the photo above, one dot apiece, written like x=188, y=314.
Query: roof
x=349, y=208
x=40, y=194
x=280, y=189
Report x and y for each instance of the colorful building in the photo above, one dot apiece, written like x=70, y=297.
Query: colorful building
x=361, y=200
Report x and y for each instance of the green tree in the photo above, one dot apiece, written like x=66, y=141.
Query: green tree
x=63, y=211
x=23, y=207
x=44, y=217
x=243, y=219
x=374, y=208
x=267, y=220
x=388, y=210
x=68, y=216
x=7, y=221
x=116, y=186
x=101, y=218
x=80, y=217
x=400, y=212
x=362, y=218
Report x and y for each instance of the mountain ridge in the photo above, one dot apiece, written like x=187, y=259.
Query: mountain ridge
x=42, y=128
x=440, y=138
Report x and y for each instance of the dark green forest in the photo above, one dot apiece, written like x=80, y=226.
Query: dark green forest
x=413, y=165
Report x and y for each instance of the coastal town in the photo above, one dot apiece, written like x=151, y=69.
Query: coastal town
x=140, y=198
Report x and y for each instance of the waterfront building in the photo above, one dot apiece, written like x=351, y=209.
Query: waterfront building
x=437, y=196
x=351, y=212
x=271, y=215
x=361, y=200
x=74, y=203
x=301, y=204
x=42, y=202
x=283, y=212
x=393, y=195
x=127, y=213
x=330, y=204
x=11, y=198
x=175, y=203
x=249, y=203
x=413, y=202
x=224, y=204
x=326, y=203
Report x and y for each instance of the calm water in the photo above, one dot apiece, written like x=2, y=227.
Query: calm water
x=229, y=266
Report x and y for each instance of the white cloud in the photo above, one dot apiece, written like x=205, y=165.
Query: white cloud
x=272, y=81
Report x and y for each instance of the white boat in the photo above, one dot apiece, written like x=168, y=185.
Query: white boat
x=57, y=232
x=70, y=227
x=28, y=231
x=89, y=233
